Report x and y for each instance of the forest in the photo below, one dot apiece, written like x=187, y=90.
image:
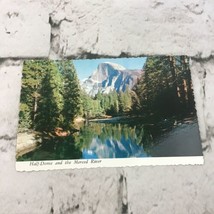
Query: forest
x=51, y=95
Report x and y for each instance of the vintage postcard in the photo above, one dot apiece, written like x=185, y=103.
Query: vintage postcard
x=110, y=112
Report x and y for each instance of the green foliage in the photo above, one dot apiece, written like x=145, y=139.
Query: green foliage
x=165, y=88
x=109, y=102
x=90, y=107
x=32, y=75
x=50, y=105
x=71, y=92
x=50, y=95
x=125, y=101
x=25, y=121
x=112, y=103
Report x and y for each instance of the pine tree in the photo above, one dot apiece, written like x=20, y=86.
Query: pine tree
x=125, y=101
x=32, y=75
x=165, y=86
x=50, y=105
x=115, y=105
x=71, y=92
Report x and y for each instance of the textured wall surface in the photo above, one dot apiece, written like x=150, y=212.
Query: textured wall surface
x=85, y=28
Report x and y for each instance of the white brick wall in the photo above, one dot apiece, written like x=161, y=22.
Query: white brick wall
x=77, y=28
x=24, y=29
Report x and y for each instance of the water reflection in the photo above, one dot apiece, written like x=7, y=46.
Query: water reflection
x=116, y=140
x=101, y=140
x=97, y=140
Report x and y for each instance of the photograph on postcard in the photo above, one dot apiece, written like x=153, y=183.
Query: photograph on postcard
x=111, y=109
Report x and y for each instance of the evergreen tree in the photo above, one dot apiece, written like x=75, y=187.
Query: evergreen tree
x=87, y=105
x=71, y=92
x=50, y=105
x=135, y=102
x=125, y=101
x=32, y=75
x=25, y=120
x=115, y=103
x=163, y=88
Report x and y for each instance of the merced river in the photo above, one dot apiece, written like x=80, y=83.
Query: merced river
x=97, y=140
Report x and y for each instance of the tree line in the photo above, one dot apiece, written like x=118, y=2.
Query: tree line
x=51, y=95
x=113, y=104
x=165, y=88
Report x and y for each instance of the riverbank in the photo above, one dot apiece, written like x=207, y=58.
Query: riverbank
x=118, y=119
x=148, y=120
x=27, y=142
x=131, y=137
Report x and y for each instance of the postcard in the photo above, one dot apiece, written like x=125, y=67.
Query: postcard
x=108, y=112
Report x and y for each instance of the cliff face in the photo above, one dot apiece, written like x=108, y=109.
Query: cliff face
x=110, y=76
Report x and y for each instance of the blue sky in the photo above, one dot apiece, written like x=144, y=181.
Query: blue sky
x=85, y=67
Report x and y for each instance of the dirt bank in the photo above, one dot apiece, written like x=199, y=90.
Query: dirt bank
x=27, y=142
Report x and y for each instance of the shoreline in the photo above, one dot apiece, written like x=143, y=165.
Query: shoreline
x=27, y=142
x=30, y=140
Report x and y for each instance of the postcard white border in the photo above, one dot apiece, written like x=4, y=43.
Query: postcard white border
x=109, y=162
x=94, y=163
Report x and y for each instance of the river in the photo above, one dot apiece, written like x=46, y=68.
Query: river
x=121, y=140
